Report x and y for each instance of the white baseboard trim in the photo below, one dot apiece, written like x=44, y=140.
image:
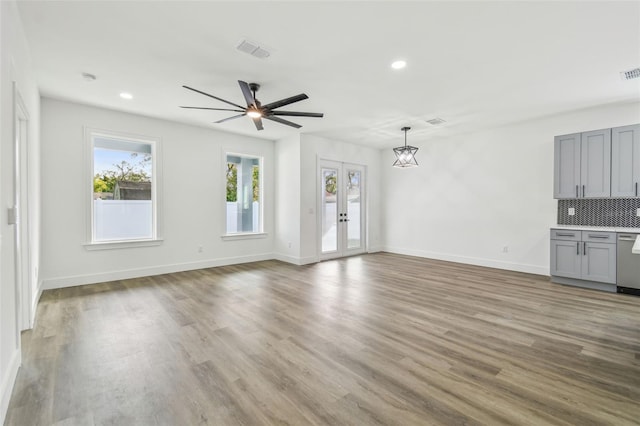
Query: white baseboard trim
x=375, y=249
x=34, y=305
x=124, y=274
x=489, y=263
x=295, y=260
x=8, y=381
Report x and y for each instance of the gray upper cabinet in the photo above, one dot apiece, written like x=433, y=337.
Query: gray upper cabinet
x=582, y=165
x=625, y=161
x=595, y=164
x=566, y=167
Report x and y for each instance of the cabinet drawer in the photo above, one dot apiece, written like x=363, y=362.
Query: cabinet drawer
x=599, y=237
x=566, y=235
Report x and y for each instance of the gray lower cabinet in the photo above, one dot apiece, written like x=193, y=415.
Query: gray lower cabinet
x=625, y=161
x=584, y=258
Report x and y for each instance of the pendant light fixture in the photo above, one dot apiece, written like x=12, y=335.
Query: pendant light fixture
x=405, y=155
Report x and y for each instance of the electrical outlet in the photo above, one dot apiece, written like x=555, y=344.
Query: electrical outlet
x=200, y=249
x=505, y=249
x=572, y=211
x=289, y=244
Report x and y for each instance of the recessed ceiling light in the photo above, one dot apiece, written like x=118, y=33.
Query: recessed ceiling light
x=398, y=65
x=125, y=95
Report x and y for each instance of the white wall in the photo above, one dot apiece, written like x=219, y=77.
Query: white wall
x=476, y=193
x=287, y=197
x=15, y=65
x=313, y=148
x=192, y=178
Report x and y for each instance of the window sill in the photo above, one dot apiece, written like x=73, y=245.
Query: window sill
x=251, y=236
x=111, y=245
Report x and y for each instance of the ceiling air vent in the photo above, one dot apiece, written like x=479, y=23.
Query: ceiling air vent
x=436, y=121
x=630, y=74
x=253, y=49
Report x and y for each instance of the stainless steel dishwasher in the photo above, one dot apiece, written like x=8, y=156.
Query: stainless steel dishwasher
x=628, y=271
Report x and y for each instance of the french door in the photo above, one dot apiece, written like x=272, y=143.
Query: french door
x=342, y=217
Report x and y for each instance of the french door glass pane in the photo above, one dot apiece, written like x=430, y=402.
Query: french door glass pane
x=329, y=210
x=353, y=208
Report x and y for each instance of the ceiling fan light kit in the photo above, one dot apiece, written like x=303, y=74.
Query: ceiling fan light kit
x=405, y=155
x=255, y=110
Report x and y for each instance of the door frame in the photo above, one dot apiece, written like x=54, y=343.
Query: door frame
x=22, y=235
x=342, y=249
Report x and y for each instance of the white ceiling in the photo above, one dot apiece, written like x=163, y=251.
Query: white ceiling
x=474, y=64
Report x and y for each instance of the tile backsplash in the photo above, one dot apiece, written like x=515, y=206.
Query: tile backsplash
x=615, y=212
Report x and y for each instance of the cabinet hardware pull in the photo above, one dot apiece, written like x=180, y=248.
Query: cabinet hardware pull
x=583, y=191
x=636, y=189
x=577, y=248
x=577, y=193
x=565, y=235
x=584, y=249
x=603, y=237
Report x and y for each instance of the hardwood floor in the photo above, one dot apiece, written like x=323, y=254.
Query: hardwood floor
x=374, y=339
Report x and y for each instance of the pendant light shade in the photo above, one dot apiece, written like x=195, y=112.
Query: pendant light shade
x=405, y=155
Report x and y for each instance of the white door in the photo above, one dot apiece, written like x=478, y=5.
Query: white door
x=342, y=215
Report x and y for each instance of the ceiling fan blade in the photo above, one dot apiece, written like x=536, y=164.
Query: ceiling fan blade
x=229, y=118
x=246, y=91
x=282, y=121
x=214, y=97
x=258, y=122
x=298, y=114
x=287, y=101
x=214, y=109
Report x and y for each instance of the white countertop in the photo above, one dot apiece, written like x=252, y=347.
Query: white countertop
x=597, y=228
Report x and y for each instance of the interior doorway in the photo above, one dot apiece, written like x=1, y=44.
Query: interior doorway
x=342, y=207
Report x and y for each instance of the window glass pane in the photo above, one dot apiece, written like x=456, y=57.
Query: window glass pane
x=353, y=209
x=329, y=210
x=243, y=194
x=122, y=189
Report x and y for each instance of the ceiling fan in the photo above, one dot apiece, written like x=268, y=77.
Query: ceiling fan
x=256, y=110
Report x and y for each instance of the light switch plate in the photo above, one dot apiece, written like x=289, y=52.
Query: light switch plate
x=572, y=211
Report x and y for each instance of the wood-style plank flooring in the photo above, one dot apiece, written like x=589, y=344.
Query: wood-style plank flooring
x=373, y=339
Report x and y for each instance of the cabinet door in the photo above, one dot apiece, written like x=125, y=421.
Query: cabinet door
x=595, y=164
x=566, y=166
x=625, y=161
x=566, y=258
x=599, y=262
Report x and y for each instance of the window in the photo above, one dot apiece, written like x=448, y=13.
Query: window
x=243, y=194
x=123, y=202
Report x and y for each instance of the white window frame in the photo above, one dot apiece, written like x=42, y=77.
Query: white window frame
x=156, y=186
x=243, y=235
